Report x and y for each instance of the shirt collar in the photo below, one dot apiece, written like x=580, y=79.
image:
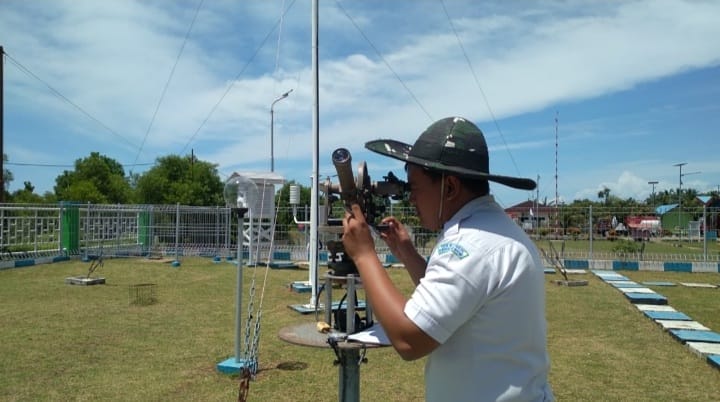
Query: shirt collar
x=485, y=202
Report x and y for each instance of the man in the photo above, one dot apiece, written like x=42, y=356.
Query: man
x=478, y=309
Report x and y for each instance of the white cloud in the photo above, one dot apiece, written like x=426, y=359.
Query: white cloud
x=114, y=58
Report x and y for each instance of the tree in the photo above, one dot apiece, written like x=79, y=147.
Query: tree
x=26, y=195
x=97, y=179
x=7, y=177
x=184, y=180
x=604, y=193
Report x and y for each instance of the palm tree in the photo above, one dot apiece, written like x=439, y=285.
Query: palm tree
x=604, y=193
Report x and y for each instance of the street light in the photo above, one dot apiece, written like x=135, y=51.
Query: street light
x=680, y=165
x=652, y=195
x=272, y=124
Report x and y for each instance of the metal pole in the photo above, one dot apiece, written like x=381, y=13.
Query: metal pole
x=2, y=124
x=239, y=287
x=680, y=165
x=590, y=225
x=314, y=188
x=177, y=231
x=556, y=170
x=349, y=385
x=652, y=194
x=704, y=223
x=537, y=211
x=272, y=136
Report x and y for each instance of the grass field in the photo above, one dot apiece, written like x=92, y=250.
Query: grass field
x=655, y=246
x=63, y=342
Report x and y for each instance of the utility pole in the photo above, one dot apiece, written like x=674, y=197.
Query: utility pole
x=680, y=165
x=652, y=194
x=537, y=203
x=556, y=172
x=2, y=125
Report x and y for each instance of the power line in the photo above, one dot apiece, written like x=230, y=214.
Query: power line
x=477, y=82
x=167, y=83
x=232, y=84
x=412, y=95
x=66, y=99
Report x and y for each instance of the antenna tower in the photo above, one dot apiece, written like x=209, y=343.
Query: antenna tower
x=556, y=169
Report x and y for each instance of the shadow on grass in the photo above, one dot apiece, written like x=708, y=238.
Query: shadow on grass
x=291, y=366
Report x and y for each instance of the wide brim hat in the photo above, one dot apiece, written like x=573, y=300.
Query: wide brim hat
x=453, y=145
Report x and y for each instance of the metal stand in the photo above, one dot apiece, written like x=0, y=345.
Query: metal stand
x=236, y=364
x=352, y=283
x=349, y=355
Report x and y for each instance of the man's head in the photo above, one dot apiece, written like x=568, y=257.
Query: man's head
x=438, y=196
x=447, y=166
x=452, y=145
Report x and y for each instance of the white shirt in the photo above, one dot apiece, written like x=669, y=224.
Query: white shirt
x=483, y=299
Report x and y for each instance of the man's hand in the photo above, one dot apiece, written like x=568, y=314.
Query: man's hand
x=401, y=246
x=395, y=235
x=356, y=238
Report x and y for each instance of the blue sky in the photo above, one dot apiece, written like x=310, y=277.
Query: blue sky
x=635, y=86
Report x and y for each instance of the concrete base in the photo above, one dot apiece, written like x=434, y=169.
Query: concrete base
x=576, y=282
x=306, y=308
x=684, y=335
x=301, y=286
x=658, y=283
x=232, y=366
x=654, y=307
x=646, y=298
x=714, y=360
x=84, y=281
x=283, y=265
x=625, y=284
x=704, y=348
x=608, y=275
x=698, y=285
x=678, y=324
x=636, y=290
x=667, y=315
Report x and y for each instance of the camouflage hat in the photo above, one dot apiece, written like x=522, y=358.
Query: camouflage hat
x=453, y=145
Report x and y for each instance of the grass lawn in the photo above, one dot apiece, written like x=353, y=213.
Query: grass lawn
x=655, y=246
x=63, y=342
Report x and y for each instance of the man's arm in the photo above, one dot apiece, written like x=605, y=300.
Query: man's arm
x=387, y=301
x=388, y=305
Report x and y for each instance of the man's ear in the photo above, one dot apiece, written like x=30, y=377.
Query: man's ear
x=452, y=187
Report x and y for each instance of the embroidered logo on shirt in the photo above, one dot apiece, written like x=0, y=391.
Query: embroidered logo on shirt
x=454, y=248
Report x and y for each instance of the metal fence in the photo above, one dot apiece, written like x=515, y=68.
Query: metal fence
x=695, y=228
x=87, y=230
x=114, y=230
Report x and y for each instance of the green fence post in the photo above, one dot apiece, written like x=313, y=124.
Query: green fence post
x=70, y=227
x=144, y=233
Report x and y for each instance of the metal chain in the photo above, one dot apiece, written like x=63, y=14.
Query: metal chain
x=248, y=322
x=255, y=343
x=244, y=386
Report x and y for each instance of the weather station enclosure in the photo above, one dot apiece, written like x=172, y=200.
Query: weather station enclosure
x=259, y=225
